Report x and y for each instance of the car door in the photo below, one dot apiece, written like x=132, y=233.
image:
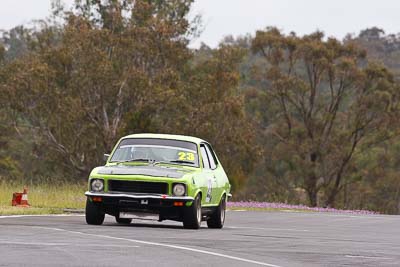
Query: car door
x=216, y=169
x=210, y=181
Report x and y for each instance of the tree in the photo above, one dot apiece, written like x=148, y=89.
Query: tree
x=15, y=42
x=207, y=103
x=329, y=104
x=81, y=84
x=381, y=47
x=214, y=109
x=8, y=166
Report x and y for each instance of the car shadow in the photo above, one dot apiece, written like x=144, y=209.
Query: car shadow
x=145, y=225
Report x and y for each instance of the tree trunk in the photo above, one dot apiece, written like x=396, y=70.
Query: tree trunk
x=345, y=197
x=312, y=190
x=398, y=206
x=311, y=183
x=330, y=202
x=312, y=197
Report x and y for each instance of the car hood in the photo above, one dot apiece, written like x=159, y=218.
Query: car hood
x=157, y=171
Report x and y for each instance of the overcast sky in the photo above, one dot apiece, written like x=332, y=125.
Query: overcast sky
x=238, y=17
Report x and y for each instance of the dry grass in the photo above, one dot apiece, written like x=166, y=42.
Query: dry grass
x=44, y=199
x=9, y=210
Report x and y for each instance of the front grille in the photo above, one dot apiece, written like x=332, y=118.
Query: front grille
x=138, y=187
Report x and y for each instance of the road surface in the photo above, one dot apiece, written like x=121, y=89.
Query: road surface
x=248, y=239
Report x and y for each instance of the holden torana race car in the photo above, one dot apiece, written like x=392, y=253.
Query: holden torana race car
x=170, y=176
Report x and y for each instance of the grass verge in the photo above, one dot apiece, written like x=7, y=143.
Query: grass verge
x=270, y=206
x=264, y=209
x=5, y=210
x=55, y=198
x=44, y=199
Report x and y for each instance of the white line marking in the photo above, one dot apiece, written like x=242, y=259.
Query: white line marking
x=41, y=215
x=61, y=244
x=269, y=229
x=162, y=245
x=236, y=210
x=368, y=257
x=291, y=210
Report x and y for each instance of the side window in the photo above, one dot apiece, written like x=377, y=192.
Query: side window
x=204, y=156
x=212, y=157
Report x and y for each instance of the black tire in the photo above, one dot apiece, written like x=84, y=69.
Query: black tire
x=122, y=220
x=94, y=214
x=217, y=219
x=192, y=215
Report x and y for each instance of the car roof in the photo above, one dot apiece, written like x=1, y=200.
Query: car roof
x=167, y=136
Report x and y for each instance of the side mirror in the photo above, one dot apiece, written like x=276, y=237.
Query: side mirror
x=105, y=157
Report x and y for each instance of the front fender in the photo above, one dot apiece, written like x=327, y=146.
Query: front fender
x=196, y=192
x=227, y=196
x=193, y=195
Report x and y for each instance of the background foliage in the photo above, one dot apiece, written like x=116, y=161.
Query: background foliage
x=294, y=119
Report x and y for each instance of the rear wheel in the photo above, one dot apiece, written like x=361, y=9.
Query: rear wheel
x=94, y=214
x=192, y=215
x=217, y=219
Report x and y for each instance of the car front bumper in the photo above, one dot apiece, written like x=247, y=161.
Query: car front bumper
x=139, y=196
x=168, y=207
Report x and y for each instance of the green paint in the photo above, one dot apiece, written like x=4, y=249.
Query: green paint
x=211, y=183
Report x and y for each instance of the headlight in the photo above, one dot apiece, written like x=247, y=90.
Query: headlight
x=97, y=185
x=179, y=190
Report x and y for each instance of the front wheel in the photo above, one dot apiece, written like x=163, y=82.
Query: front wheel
x=192, y=215
x=94, y=215
x=217, y=219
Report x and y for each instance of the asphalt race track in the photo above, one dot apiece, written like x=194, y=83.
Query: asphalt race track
x=248, y=239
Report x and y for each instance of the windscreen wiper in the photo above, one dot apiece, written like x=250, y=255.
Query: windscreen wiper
x=134, y=160
x=174, y=162
x=182, y=161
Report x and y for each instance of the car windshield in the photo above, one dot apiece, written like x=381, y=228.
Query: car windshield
x=156, y=151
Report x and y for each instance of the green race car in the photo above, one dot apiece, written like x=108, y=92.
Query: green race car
x=172, y=177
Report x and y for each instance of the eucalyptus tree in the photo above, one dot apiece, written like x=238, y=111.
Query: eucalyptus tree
x=84, y=80
x=329, y=102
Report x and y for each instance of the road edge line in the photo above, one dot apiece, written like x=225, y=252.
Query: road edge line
x=40, y=215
